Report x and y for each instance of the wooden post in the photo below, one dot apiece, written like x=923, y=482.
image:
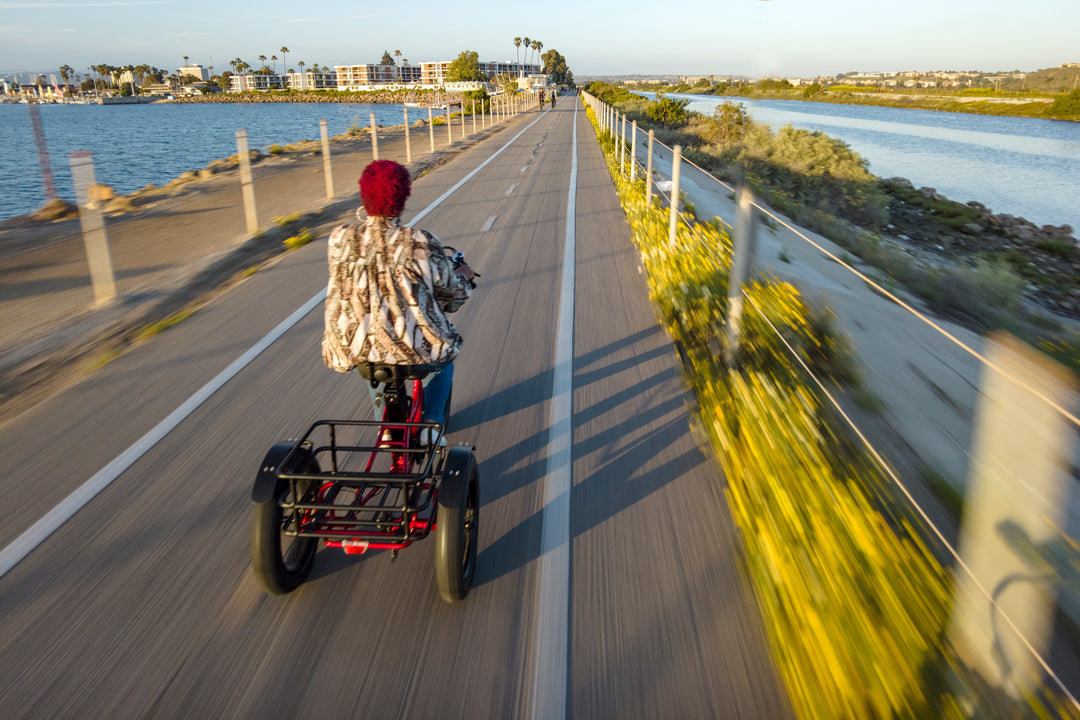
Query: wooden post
x=474, y=117
x=449, y=126
x=93, y=226
x=676, y=167
x=431, y=128
x=633, y=150
x=408, y=144
x=648, y=171
x=42, y=151
x=247, y=187
x=374, y=139
x=326, y=159
x=1012, y=540
x=741, y=262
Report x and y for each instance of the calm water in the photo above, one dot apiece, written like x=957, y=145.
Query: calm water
x=134, y=145
x=1022, y=166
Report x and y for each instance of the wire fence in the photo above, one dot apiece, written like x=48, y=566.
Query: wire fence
x=611, y=121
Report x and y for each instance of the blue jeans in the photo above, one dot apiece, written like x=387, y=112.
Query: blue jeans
x=436, y=392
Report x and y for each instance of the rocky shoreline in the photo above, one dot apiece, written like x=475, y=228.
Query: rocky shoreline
x=1046, y=257
x=376, y=97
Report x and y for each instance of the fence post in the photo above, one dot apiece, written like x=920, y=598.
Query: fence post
x=474, y=117
x=246, y=185
x=326, y=159
x=648, y=171
x=1016, y=505
x=676, y=167
x=430, y=128
x=633, y=150
x=408, y=144
x=463, y=118
x=93, y=227
x=449, y=126
x=622, y=145
x=741, y=262
x=374, y=139
x=42, y=151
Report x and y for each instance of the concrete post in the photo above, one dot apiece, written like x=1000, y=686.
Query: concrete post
x=408, y=144
x=430, y=128
x=93, y=227
x=741, y=262
x=648, y=171
x=374, y=139
x=1012, y=538
x=326, y=159
x=633, y=150
x=473, y=117
x=676, y=167
x=247, y=187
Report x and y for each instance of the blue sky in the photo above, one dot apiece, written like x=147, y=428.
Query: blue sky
x=692, y=37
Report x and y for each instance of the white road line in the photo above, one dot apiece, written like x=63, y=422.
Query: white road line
x=47, y=525
x=551, y=639
x=489, y=223
x=524, y=169
x=511, y=189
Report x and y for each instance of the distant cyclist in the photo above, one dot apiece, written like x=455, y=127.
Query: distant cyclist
x=391, y=288
x=552, y=98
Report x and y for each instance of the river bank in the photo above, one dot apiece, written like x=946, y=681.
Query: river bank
x=1065, y=106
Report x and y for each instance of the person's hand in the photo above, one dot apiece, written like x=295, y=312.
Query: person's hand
x=467, y=274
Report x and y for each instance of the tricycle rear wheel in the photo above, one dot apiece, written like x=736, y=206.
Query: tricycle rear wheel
x=457, y=525
x=281, y=562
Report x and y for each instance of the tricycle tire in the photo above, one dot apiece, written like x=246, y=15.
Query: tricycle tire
x=279, y=570
x=456, y=526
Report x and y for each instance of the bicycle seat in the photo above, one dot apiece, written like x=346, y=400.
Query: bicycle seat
x=382, y=373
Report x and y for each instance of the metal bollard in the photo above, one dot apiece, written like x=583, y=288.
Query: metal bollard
x=246, y=184
x=326, y=159
x=408, y=145
x=93, y=227
x=374, y=139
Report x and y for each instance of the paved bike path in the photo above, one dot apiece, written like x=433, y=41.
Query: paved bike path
x=143, y=604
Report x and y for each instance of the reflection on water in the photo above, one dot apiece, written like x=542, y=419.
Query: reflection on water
x=1022, y=166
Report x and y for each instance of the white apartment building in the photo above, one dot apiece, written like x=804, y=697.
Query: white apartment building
x=197, y=70
x=311, y=80
x=368, y=76
x=434, y=73
x=258, y=81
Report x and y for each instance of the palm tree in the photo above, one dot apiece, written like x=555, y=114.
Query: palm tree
x=303, y=84
x=538, y=46
x=517, y=50
x=65, y=73
x=274, y=58
x=284, y=65
x=527, y=43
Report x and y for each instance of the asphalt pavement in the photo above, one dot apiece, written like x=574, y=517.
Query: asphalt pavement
x=143, y=604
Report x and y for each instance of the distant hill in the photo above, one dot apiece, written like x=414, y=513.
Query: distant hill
x=1063, y=78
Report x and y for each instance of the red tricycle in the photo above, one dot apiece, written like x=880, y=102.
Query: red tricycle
x=383, y=489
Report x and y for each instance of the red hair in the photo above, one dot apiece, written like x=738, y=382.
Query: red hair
x=384, y=187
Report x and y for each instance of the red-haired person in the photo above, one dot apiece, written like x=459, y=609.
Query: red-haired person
x=391, y=288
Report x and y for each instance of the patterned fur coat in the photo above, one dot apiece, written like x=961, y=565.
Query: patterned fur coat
x=390, y=289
